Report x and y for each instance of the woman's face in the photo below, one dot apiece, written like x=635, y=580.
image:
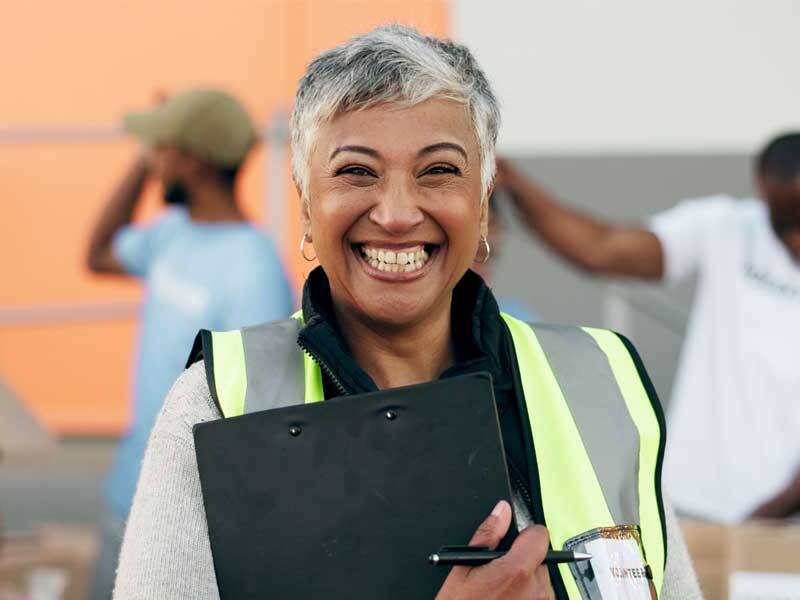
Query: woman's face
x=395, y=212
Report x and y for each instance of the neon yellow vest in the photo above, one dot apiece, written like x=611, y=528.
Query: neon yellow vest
x=585, y=399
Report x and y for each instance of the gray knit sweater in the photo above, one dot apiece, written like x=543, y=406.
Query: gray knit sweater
x=166, y=552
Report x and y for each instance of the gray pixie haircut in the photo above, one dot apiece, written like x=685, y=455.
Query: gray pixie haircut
x=391, y=64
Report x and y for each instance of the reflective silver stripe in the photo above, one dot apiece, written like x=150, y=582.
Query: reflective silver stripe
x=600, y=413
x=274, y=365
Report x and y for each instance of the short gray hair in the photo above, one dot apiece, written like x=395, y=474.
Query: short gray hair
x=391, y=64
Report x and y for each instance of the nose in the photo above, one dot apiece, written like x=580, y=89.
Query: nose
x=397, y=210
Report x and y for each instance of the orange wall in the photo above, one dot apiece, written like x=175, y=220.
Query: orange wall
x=84, y=63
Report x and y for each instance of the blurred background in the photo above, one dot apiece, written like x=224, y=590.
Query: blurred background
x=623, y=107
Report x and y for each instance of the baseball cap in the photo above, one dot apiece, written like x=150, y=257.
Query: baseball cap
x=207, y=123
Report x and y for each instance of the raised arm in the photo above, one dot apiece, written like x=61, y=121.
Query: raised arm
x=117, y=213
x=584, y=241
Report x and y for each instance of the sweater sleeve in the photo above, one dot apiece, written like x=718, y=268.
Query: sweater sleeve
x=680, y=580
x=165, y=551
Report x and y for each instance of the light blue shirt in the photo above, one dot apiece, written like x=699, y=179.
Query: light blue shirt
x=197, y=276
x=517, y=309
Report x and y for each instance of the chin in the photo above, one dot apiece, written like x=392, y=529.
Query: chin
x=392, y=312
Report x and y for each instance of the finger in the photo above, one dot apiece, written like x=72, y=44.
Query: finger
x=530, y=546
x=492, y=530
x=519, y=570
x=543, y=585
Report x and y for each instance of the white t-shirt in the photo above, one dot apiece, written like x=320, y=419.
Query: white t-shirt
x=734, y=423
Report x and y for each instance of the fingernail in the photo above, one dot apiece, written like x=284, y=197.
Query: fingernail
x=498, y=509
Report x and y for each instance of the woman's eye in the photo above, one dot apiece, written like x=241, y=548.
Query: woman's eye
x=442, y=170
x=357, y=171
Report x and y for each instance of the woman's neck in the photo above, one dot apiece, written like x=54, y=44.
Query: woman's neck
x=397, y=357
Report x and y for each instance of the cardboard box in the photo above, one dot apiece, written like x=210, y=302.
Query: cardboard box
x=53, y=563
x=752, y=561
x=709, y=547
x=765, y=561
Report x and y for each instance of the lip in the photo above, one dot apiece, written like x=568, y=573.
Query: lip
x=395, y=245
x=399, y=277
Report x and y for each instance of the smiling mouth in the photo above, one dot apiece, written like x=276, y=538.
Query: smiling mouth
x=410, y=259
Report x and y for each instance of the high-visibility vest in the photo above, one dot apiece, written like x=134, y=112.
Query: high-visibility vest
x=598, y=435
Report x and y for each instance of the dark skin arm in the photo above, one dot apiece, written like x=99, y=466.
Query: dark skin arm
x=586, y=242
x=783, y=505
x=117, y=213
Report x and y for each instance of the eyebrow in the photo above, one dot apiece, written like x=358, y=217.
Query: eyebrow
x=443, y=146
x=426, y=150
x=359, y=149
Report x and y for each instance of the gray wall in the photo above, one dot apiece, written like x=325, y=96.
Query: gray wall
x=627, y=189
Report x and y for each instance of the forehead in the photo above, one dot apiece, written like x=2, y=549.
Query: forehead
x=397, y=131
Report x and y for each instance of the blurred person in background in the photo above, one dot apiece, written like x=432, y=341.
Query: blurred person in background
x=734, y=446
x=487, y=264
x=203, y=265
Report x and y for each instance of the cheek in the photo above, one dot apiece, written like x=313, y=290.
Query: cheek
x=158, y=166
x=173, y=171
x=331, y=219
x=461, y=223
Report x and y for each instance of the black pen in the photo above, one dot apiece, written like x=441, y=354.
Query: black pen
x=473, y=556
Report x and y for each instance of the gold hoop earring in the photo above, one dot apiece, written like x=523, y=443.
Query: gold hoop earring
x=485, y=242
x=303, y=250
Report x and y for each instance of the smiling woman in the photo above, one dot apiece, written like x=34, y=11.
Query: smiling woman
x=393, y=187
x=393, y=139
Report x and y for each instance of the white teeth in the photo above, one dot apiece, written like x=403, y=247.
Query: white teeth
x=391, y=261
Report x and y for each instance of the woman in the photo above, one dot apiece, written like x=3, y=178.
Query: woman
x=393, y=138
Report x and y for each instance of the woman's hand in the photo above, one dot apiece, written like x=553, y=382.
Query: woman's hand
x=519, y=574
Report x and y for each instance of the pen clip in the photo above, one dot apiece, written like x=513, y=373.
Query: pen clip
x=463, y=548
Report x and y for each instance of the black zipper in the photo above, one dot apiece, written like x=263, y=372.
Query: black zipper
x=325, y=368
x=518, y=485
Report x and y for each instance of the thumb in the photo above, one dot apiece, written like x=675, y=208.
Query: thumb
x=492, y=530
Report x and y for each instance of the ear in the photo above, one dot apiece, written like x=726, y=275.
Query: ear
x=305, y=213
x=484, y=222
x=762, y=187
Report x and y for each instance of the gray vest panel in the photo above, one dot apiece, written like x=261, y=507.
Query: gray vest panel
x=600, y=413
x=274, y=365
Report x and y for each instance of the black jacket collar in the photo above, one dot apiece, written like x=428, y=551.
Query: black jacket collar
x=477, y=330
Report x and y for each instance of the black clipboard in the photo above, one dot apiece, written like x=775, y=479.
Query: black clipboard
x=347, y=498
